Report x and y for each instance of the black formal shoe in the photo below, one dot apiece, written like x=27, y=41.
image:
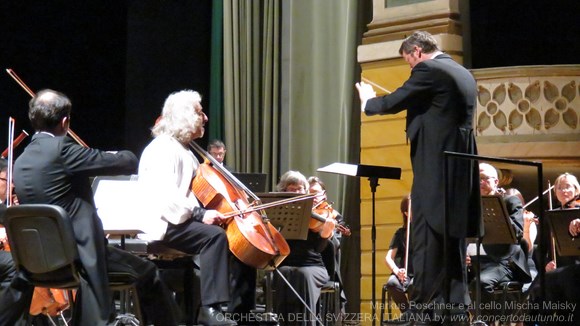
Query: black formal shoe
x=212, y=316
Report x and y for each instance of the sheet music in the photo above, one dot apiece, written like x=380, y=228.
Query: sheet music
x=340, y=168
x=116, y=202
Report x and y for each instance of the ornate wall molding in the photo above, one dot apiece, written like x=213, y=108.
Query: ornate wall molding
x=530, y=103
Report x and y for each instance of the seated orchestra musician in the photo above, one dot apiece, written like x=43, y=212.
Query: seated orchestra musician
x=503, y=262
x=173, y=214
x=530, y=232
x=53, y=169
x=7, y=270
x=332, y=253
x=401, y=276
x=217, y=149
x=303, y=268
x=563, y=272
x=567, y=190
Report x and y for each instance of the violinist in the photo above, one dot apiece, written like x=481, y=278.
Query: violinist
x=567, y=190
x=561, y=279
x=332, y=253
x=304, y=268
x=402, y=274
x=171, y=211
x=54, y=169
x=7, y=269
x=530, y=232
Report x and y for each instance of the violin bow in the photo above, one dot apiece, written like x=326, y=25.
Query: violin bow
x=31, y=93
x=408, y=231
x=11, y=123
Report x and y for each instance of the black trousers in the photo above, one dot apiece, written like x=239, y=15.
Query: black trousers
x=211, y=244
x=429, y=269
x=7, y=270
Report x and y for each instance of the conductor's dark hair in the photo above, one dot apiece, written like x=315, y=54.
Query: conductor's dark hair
x=421, y=39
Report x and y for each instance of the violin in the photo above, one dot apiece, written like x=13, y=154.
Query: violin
x=323, y=220
x=573, y=203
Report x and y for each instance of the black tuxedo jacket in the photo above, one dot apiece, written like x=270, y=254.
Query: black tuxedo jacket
x=56, y=170
x=440, y=99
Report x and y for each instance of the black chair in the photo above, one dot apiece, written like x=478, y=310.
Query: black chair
x=329, y=304
x=385, y=293
x=506, y=289
x=44, y=248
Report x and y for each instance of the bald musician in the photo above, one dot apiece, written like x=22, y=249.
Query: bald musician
x=53, y=169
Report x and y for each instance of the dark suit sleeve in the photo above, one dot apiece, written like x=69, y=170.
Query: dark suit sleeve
x=94, y=162
x=413, y=92
x=516, y=211
x=2, y=211
x=197, y=214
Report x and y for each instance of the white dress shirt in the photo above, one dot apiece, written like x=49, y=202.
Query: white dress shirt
x=166, y=169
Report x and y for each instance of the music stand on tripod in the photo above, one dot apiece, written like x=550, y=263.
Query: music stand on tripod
x=373, y=173
x=292, y=221
x=566, y=244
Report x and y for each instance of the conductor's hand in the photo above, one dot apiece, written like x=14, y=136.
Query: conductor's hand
x=365, y=93
x=213, y=217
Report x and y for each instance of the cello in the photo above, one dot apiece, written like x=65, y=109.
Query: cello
x=252, y=239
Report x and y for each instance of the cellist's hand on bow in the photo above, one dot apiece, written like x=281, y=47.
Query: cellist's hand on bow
x=213, y=217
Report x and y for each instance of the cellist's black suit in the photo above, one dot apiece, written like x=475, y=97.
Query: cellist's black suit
x=440, y=99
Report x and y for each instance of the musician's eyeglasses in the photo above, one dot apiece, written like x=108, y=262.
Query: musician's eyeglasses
x=566, y=188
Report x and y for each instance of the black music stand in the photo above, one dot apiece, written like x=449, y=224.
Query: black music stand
x=496, y=221
x=292, y=221
x=373, y=173
x=256, y=182
x=559, y=220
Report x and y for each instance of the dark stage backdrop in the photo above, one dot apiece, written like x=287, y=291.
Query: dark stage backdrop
x=116, y=60
x=524, y=32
